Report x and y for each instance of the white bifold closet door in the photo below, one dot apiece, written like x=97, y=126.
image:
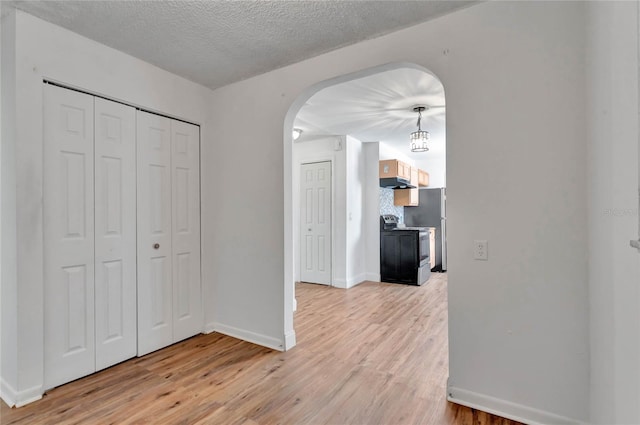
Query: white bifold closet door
x=169, y=301
x=68, y=236
x=89, y=234
x=115, y=232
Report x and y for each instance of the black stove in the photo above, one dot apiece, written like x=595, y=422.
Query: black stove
x=404, y=252
x=390, y=222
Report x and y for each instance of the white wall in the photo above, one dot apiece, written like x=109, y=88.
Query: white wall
x=388, y=152
x=372, y=211
x=356, y=191
x=1, y=332
x=45, y=51
x=614, y=267
x=436, y=167
x=324, y=149
x=3, y=347
x=518, y=322
x=8, y=277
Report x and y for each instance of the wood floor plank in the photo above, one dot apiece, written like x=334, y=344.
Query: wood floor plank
x=373, y=354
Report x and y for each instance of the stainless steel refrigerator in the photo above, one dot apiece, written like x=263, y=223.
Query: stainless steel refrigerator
x=431, y=212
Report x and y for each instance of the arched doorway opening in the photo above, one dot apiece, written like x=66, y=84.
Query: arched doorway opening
x=399, y=107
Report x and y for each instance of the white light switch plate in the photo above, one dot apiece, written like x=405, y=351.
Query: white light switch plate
x=480, y=249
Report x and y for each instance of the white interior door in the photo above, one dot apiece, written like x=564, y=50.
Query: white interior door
x=155, y=323
x=69, y=338
x=315, y=223
x=185, y=165
x=115, y=232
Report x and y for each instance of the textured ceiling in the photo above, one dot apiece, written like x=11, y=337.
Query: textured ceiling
x=379, y=108
x=218, y=42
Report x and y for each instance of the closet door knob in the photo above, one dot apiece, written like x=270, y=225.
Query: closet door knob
x=156, y=245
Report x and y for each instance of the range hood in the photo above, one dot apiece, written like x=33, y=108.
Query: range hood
x=396, y=183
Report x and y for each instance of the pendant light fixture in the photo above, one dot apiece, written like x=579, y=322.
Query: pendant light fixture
x=418, y=139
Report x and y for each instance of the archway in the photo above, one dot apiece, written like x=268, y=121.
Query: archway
x=290, y=207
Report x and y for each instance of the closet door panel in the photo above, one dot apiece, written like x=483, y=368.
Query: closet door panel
x=115, y=232
x=155, y=315
x=185, y=163
x=69, y=341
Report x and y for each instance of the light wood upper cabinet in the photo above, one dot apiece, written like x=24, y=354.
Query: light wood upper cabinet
x=391, y=168
x=394, y=168
x=388, y=168
x=414, y=176
x=406, y=197
x=404, y=170
x=423, y=178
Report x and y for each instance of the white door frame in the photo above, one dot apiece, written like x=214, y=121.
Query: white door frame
x=331, y=158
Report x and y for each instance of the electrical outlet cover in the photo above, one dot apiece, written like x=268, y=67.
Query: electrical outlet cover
x=480, y=249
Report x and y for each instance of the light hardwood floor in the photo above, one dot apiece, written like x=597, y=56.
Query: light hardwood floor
x=373, y=354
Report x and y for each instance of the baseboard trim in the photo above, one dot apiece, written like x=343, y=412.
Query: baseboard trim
x=289, y=340
x=373, y=277
x=506, y=409
x=7, y=393
x=349, y=282
x=356, y=280
x=339, y=283
x=19, y=398
x=245, y=335
x=208, y=328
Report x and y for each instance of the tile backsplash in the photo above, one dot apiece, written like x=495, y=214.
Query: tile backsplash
x=386, y=204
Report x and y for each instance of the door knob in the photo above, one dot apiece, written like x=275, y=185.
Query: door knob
x=156, y=245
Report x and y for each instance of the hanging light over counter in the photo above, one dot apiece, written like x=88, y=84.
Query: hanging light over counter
x=418, y=139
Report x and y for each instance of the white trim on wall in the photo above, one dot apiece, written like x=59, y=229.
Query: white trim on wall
x=252, y=337
x=356, y=280
x=506, y=409
x=288, y=342
x=373, y=277
x=351, y=281
x=19, y=398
